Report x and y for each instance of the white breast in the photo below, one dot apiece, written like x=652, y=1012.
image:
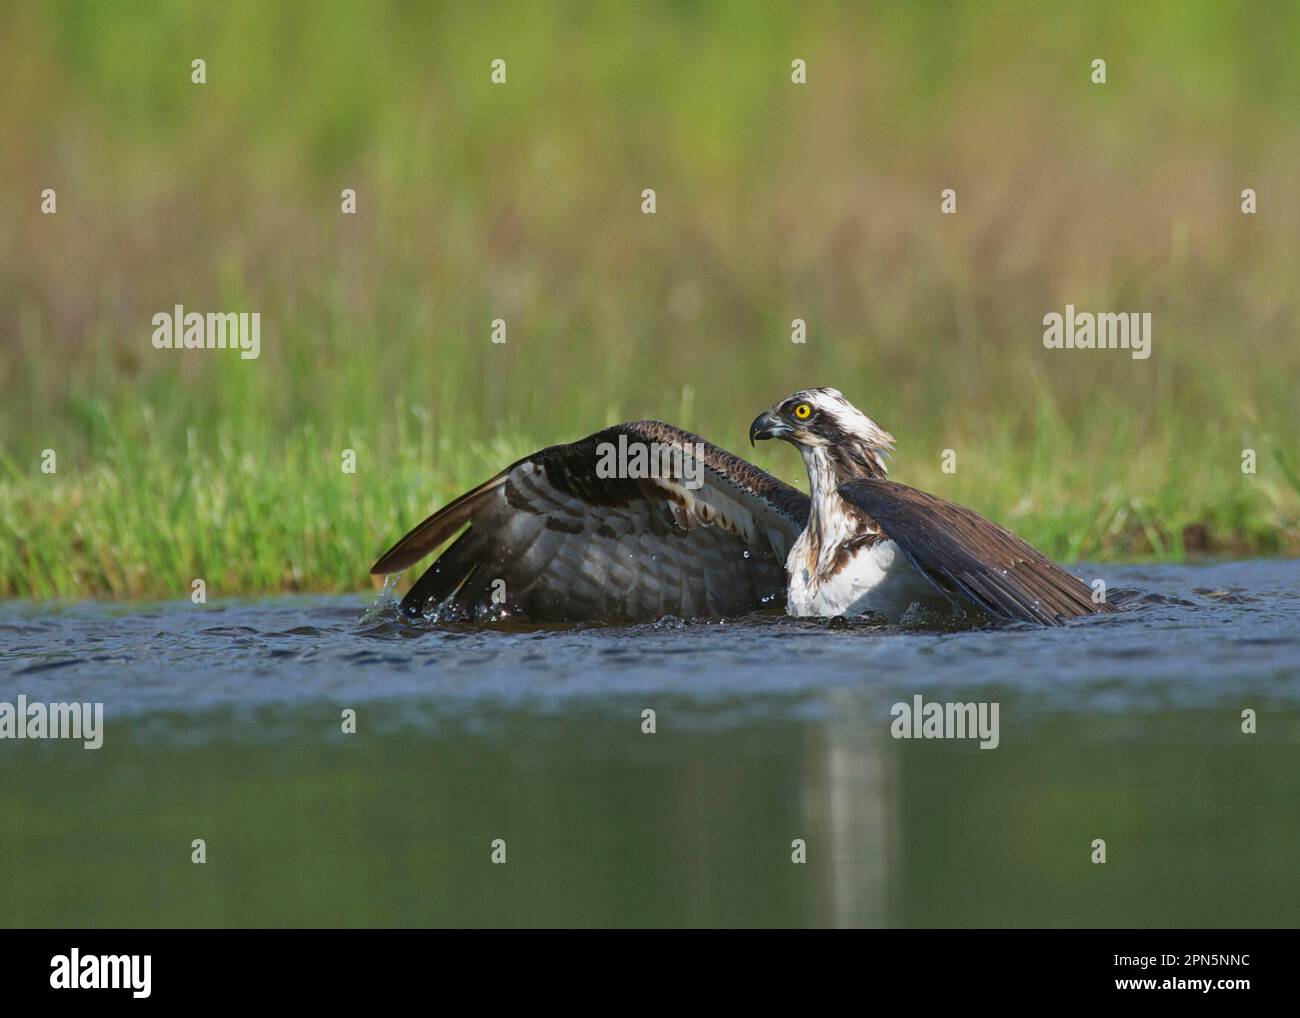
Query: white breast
x=878, y=579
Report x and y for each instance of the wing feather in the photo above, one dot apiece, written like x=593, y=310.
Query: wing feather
x=969, y=557
x=571, y=545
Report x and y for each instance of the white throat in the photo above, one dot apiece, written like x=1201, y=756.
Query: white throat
x=832, y=523
x=827, y=514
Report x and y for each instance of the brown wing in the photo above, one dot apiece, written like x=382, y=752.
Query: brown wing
x=569, y=544
x=970, y=557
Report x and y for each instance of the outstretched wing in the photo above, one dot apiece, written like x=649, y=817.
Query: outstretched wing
x=967, y=556
x=706, y=534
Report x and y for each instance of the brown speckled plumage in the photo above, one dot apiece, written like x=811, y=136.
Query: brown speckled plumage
x=570, y=545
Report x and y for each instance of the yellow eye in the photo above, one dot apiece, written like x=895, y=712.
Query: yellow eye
x=802, y=412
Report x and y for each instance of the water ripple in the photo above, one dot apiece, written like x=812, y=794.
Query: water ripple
x=1191, y=635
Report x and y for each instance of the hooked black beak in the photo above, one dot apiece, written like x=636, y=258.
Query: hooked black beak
x=767, y=425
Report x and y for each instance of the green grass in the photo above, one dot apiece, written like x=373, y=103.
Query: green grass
x=522, y=202
x=282, y=515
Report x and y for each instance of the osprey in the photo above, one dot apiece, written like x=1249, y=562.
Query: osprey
x=570, y=534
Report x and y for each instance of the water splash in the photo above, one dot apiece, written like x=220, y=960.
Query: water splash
x=384, y=604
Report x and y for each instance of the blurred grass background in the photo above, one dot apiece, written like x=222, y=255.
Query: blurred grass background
x=522, y=201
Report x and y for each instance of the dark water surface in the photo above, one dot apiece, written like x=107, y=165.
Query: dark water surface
x=222, y=722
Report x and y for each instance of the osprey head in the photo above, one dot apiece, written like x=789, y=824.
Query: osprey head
x=822, y=419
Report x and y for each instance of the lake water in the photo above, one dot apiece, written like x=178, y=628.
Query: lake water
x=222, y=722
